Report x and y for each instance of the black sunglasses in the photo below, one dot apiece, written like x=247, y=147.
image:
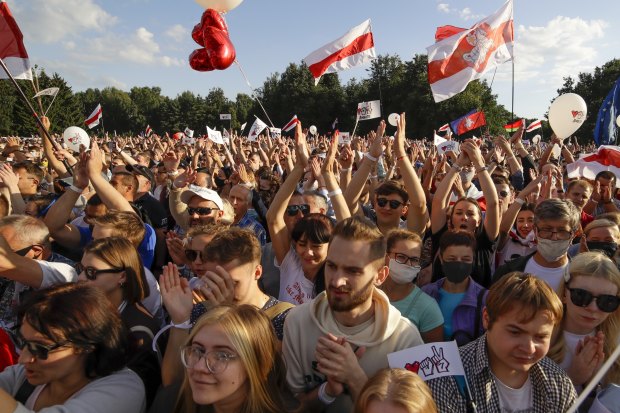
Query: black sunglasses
x=191, y=255
x=292, y=210
x=200, y=211
x=605, y=302
x=23, y=251
x=37, y=350
x=503, y=194
x=92, y=273
x=394, y=204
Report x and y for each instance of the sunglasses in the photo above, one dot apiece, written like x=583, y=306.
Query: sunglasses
x=292, y=210
x=503, y=194
x=23, y=251
x=92, y=273
x=605, y=302
x=191, y=255
x=200, y=211
x=37, y=350
x=394, y=204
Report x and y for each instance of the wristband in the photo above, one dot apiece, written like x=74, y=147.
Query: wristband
x=372, y=158
x=334, y=192
x=346, y=169
x=323, y=396
x=520, y=201
x=481, y=169
x=185, y=325
x=173, y=173
x=401, y=157
x=75, y=189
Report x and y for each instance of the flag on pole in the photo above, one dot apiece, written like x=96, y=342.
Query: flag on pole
x=215, y=136
x=512, y=127
x=438, y=140
x=290, y=125
x=12, y=50
x=50, y=91
x=257, y=127
x=354, y=48
x=188, y=132
x=534, y=125
x=334, y=124
x=243, y=126
x=471, y=121
x=93, y=119
x=456, y=60
x=369, y=110
x=606, y=130
x=148, y=130
x=444, y=128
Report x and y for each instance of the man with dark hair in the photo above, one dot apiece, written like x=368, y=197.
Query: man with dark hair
x=603, y=198
x=343, y=336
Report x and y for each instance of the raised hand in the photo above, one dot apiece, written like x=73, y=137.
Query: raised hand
x=95, y=160
x=176, y=294
x=301, y=146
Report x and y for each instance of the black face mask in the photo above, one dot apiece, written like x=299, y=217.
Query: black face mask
x=456, y=271
x=608, y=248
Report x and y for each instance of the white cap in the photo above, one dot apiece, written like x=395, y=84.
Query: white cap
x=204, y=193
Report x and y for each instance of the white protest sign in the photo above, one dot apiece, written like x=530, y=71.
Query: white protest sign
x=448, y=146
x=215, y=136
x=187, y=140
x=369, y=110
x=344, y=138
x=439, y=140
x=429, y=361
x=275, y=132
x=189, y=133
x=225, y=116
x=257, y=127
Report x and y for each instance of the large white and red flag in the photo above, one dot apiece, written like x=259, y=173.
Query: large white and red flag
x=291, y=124
x=606, y=158
x=93, y=119
x=354, y=48
x=12, y=50
x=458, y=57
x=534, y=125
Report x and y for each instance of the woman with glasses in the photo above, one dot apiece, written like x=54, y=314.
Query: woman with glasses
x=232, y=364
x=72, y=356
x=403, y=259
x=591, y=324
x=114, y=266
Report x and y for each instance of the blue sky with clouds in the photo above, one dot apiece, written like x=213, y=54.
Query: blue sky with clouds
x=99, y=43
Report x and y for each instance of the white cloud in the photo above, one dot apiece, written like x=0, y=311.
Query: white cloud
x=443, y=7
x=49, y=21
x=177, y=32
x=466, y=14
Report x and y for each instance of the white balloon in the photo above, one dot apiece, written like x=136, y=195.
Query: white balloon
x=393, y=119
x=618, y=121
x=566, y=114
x=74, y=137
x=312, y=130
x=219, y=5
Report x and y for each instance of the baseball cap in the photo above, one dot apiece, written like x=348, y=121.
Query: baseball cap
x=204, y=193
x=144, y=171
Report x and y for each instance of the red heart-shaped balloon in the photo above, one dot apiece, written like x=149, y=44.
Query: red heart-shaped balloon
x=415, y=367
x=219, y=47
x=200, y=60
x=197, y=35
x=211, y=18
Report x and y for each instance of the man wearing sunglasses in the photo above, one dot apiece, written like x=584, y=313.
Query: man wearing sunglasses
x=195, y=206
x=555, y=224
x=505, y=193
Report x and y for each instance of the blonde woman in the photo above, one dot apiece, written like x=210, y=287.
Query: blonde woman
x=591, y=323
x=395, y=391
x=232, y=364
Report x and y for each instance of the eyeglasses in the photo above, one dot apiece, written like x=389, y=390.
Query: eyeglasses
x=201, y=211
x=405, y=259
x=216, y=361
x=191, y=255
x=37, y=350
x=605, y=302
x=561, y=234
x=503, y=194
x=394, y=204
x=92, y=273
x=292, y=210
x=24, y=251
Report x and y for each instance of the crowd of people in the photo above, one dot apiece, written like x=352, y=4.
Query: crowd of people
x=145, y=274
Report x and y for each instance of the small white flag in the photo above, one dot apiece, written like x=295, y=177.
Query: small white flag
x=50, y=91
x=188, y=132
x=429, y=361
x=369, y=110
x=225, y=116
x=257, y=127
x=439, y=140
x=243, y=127
x=215, y=136
x=344, y=137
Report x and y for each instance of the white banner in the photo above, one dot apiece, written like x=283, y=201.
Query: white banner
x=344, y=138
x=369, y=110
x=448, y=146
x=215, y=136
x=429, y=361
x=275, y=132
x=257, y=127
x=51, y=91
x=225, y=116
x=186, y=140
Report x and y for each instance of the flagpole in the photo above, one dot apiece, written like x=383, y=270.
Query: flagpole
x=254, y=94
x=354, y=128
x=34, y=113
x=51, y=103
x=512, y=109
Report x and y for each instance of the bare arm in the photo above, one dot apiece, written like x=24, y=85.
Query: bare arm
x=48, y=150
x=109, y=196
x=338, y=202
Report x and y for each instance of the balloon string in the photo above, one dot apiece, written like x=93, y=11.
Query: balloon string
x=253, y=93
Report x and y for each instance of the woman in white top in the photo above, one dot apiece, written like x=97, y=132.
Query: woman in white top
x=591, y=324
x=72, y=360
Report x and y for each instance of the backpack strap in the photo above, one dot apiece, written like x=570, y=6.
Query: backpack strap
x=278, y=308
x=24, y=392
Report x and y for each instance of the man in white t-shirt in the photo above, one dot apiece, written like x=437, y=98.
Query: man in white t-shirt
x=507, y=369
x=555, y=224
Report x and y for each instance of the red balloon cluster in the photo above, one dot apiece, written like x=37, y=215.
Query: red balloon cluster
x=218, y=51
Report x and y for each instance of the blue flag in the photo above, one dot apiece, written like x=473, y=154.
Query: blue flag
x=606, y=130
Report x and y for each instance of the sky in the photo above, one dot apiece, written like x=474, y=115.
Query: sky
x=101, y=43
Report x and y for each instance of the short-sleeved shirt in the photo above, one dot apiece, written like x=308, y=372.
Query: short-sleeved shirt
x=295, y=288
x=252, y=224
x=421, y=309
x=146, y=248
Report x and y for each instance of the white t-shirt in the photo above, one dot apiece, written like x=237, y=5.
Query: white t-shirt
x=152, y=302
x=295, y=288
x=552, y=276
x=515, y=400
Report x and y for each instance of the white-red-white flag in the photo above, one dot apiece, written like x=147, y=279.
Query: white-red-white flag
x=606, y=158
x=444, y=128
x=291, y=124
x=534, y=125
x=148, y=130
x=12, y=50
x=93, y=119
x=456, y=60
x=354, y=48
